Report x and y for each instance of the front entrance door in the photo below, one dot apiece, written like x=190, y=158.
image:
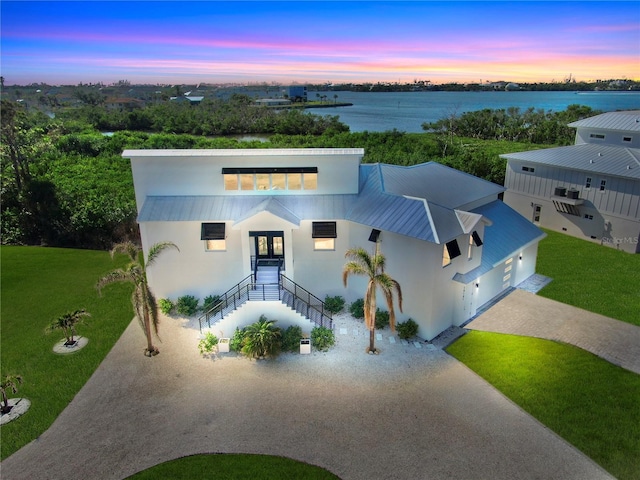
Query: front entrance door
x=268, y=245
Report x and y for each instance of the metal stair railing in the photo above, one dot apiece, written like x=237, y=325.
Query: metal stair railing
x=286, y=291
x=305, y=303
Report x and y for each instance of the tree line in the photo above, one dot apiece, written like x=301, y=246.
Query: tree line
x=65, y=183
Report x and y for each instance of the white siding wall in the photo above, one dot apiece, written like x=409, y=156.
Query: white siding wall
x=196, y=172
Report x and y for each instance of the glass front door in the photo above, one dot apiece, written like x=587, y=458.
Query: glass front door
x=268, y=245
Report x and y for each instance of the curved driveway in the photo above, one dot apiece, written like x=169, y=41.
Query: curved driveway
x=409, y=413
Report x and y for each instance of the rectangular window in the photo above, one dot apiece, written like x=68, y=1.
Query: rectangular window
x=231, y=181
x=450, y=251
x=626, y=139
x=476, y=239
x=470, y=251
x=528, y=169
x=587, y=183
x=588, y=217
x=603, y=185
x=294, y=181
x=506, y=277
x=270, y=178
x=597, y=136
x=262, y=181
x=278, y=181
x=324, y=235
x=214, y=236
x=310, y=181
x=246, y=181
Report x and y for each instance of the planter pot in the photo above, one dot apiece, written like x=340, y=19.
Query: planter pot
x=223, y=345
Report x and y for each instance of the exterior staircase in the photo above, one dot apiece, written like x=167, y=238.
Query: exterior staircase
x=268, y=284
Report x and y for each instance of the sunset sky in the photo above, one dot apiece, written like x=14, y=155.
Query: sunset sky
x=331, y=41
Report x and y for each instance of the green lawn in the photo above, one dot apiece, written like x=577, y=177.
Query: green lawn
x=234, y=467
x=586, y=400
x=591, y=276
x=38, y=285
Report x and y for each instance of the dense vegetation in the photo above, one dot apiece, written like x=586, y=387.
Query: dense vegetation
x=64, y=182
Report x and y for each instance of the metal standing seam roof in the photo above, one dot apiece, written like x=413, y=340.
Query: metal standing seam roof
x=627, y=121
x=382, y=203
x=509, y=233
x=588, y=157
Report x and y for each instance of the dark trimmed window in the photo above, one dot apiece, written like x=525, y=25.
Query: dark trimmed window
x=324, y=235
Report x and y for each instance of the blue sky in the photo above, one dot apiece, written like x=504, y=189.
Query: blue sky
x=252, y=41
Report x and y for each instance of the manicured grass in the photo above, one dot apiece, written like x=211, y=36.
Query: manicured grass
x=591, y=276
x=234, y=467
x=586, y=400
x=38, y=285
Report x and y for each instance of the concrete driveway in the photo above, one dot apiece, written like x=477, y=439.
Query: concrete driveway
x=409, y=413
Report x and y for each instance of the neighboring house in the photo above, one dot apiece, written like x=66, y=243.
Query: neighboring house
x=588, y=190
x=270, y=102
x=236, y=215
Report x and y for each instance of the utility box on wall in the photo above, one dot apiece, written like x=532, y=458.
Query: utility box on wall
x=305, y=346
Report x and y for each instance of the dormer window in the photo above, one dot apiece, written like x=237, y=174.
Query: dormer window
x=528, y=169
x=597, y=136
x=450, y=251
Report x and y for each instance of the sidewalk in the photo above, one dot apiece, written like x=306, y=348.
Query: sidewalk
x=524, y=313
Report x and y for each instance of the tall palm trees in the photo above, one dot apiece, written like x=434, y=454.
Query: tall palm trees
x=372, y=266
x=144, y=302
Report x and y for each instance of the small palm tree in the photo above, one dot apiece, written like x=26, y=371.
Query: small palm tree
x=372, y=266
x=261, y=338
x=143, y=300
x=67, y=323
x=9, y=384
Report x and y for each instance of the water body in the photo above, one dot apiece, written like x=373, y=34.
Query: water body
x=407, y=111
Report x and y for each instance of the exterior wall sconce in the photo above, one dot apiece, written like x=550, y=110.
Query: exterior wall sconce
x=477, y=284
x=520, y=257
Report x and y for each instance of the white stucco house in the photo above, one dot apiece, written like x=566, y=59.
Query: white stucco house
x=589, y=190
x=269, y=227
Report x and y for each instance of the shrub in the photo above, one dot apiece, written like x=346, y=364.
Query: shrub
x=334, y=304
x=357, y=308
x=208, y=343
x=187, y=305
x=166, y=306
x=261, y=338
x=322, y=338
x=210, y=302
x=236, y=342
x=382, y=319
x=291, y=338
x=407, y=329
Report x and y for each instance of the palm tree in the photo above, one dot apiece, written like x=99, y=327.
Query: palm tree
x=10, y=383
x=372, y=266
x=261, y=338
x=67, y=323
x=143, y=300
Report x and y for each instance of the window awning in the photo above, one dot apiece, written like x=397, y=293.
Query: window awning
x=212, y=231
x=324, y=230
x=453, y=248
x=476, y=239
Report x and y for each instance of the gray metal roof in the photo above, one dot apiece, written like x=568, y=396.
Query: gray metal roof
x=627, y=121
x=588, y=157
x=418, y=202
x=509, y=234
x=436, y=183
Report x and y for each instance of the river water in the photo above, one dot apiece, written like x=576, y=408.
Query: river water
x=407, y=111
